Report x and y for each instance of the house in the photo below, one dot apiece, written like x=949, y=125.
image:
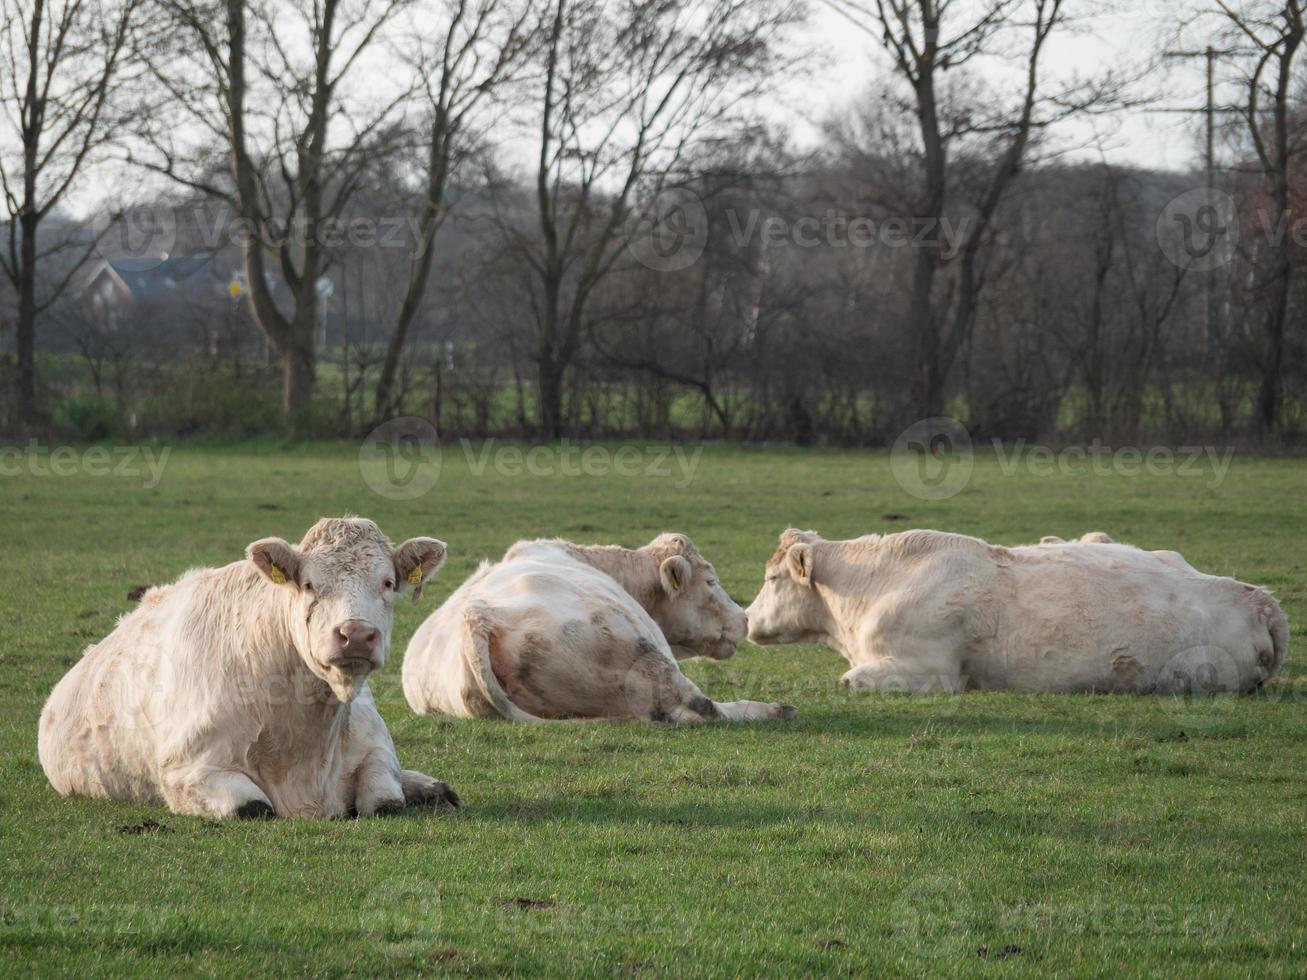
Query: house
x=186, y=287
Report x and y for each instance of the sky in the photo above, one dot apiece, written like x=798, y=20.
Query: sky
x=849, y=61
x=846, y=62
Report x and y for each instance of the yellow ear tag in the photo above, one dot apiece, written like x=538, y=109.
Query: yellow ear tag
x=277, y=575
x=415, y=576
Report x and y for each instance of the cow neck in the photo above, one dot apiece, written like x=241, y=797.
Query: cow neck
x=635, y=570
x=296, y=697
x=840, y=612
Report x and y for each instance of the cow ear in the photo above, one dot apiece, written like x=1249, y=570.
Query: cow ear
x=276, y=559
x=416, y=560
x=674, y=573
x=799, y=558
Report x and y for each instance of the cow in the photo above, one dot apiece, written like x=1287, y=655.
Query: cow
x=564, y=631
x=1090, y=537
x=1173, y=558
x=242, y=691
x=924, y=611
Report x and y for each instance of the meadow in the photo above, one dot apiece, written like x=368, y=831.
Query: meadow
x=983, y=834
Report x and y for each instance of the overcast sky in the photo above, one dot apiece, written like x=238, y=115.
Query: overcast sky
x=850, y=61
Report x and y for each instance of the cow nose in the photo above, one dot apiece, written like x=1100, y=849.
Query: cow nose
x=357, y=639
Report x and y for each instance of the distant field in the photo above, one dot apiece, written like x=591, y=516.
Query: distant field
x=989, y=833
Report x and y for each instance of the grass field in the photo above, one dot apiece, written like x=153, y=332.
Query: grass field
x=990, y=833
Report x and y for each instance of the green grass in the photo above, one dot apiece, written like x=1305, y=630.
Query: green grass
x=874, y=835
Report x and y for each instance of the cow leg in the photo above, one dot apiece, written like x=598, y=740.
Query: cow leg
x=370, y=760
x=887, y=674
x=378, y=790
x=216, y=793
x=669, y=696
x=698, y=709
x=753, y=710
x=421, y=790
x=381, y=787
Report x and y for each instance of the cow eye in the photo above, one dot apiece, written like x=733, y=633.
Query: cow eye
x=308, y=586
x=388, y=585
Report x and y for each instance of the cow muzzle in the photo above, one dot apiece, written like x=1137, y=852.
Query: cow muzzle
x=758, y=635
x=722, y=649
x=739, y=629
x=356, y=644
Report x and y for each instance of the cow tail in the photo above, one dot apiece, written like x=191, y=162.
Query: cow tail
x=1279, y=629
x=1272, y=617
x=477, y=629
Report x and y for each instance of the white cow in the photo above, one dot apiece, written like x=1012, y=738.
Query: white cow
x=928, y=611
x=558, y=630
x=242, y=691
x=1173, y=558
x=1090, y=537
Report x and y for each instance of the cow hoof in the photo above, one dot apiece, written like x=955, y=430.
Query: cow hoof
x=389, y=808
x=255, y=810
x=786, y=711
x=437, y=796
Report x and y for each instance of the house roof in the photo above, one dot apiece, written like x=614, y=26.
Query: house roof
x=151, y=280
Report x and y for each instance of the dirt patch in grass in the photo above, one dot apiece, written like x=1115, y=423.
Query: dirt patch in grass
x=527, y=904
x=145, y=827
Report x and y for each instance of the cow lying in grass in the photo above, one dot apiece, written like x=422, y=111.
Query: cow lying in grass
x=1092, y=537
x=242, y=691
x=558, y=630
x=1172, y=558
x=928, y=611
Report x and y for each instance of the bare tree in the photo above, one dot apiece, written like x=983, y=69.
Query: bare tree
x=1276, y=31
x=267, y=86
x=483, y=45
x=698, y=327
x=627, y=95
x=61, y=63
x=929, y=42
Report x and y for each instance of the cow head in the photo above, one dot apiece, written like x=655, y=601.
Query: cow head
x=690, y=606
x=788, y=609
x=341, y=582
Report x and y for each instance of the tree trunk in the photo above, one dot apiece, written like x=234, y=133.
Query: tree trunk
x=420, y=268
x=930, y=386
x=925, y=324
x=298, y=356
x=26, y=326
x=296, y=380
x=550, y=393
x=384, y=405
x=1277, y=168
x=1269, y=393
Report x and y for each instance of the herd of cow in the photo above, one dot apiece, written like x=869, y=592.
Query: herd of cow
x=242, y=691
